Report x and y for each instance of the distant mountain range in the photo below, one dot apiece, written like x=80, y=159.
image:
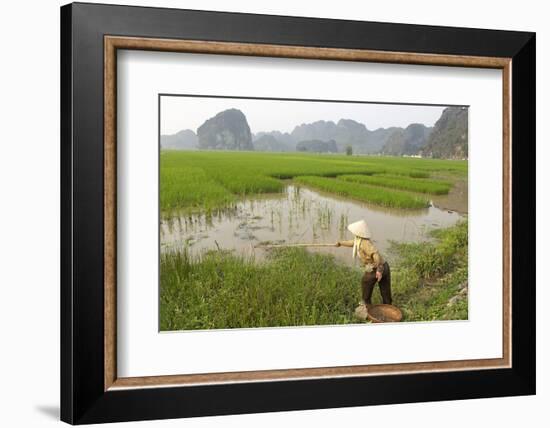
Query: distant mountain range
x=183, y=140
x=345, y=133
x=317, y=146
x=229, y=130
x=408, y=141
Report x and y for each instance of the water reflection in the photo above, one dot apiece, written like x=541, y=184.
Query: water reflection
x=298, y=215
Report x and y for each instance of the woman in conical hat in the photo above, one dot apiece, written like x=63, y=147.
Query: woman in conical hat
x=376, y=268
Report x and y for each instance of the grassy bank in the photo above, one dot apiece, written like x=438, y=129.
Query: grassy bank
x=221, y=290
x=427, y=276
x=203, y=181
x=295, y=287
x=365, y=193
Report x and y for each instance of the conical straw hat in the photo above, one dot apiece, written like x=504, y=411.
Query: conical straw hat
x=360, y=228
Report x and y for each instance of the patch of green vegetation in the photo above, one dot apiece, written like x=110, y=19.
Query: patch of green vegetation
x=207, y=180
x=407, y=172
x=222, y=290
x=398, y=182
x=401, y=164
x=243, y=183
x=295, y=287
x=366, y=193
x=428, y=275
x=190, y=188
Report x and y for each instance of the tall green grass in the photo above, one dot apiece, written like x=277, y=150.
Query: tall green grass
x=222, y=290
x=295, y=287
x=415, y=185
x=190, y=188
x=450, y=251
x=428, y=275
x=366, y=193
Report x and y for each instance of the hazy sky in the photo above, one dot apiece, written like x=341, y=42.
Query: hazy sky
x=179, y=113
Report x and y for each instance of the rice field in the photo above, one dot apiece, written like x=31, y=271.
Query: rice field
x=421, y=185
x=219, y=286
x=191, y=188
x=206, y=181
x=373, y=194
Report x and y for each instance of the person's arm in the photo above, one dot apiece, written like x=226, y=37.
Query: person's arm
x=378, y=261
x=344, y=243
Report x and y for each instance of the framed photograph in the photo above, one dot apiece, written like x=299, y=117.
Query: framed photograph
x=266, y=213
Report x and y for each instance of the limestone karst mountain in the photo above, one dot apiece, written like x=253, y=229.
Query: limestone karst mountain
x=449, y=138
x=228, y=130
x=408, y=141
x=268, y=142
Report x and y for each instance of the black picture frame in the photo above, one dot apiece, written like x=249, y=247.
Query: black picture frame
x=83, y=398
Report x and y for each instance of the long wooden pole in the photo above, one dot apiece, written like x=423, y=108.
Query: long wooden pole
x=293, y=245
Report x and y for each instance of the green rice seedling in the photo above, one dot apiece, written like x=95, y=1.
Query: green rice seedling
x=412, y=167
x=366, y=193
x=190, y=188
x=209, y=180
x=342, y=225
x=324, y=217
x=245, y=184
x=415, y=185
x=413, y=173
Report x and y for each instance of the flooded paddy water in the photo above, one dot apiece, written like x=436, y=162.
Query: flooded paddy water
x=301, y=215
